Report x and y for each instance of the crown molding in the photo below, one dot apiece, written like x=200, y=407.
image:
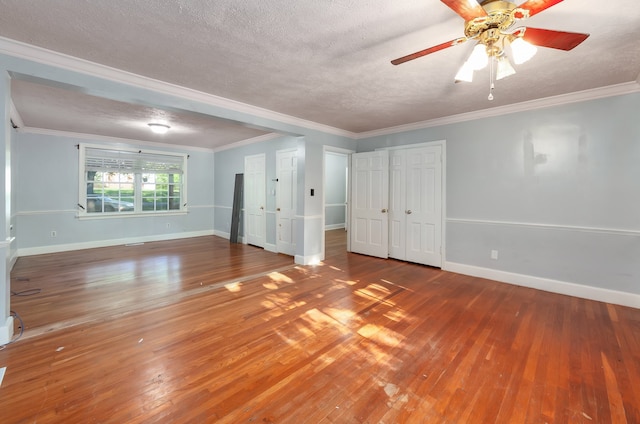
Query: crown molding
x=258, y=139
x=562, y=99
x=61, y=60
x=114, y=140
x=49, y=57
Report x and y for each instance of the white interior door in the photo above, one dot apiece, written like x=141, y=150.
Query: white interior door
x=424, y=205
x=415, y=205
x=369, y=231
x=254, y=199
x=397, y=202
x=287, y=174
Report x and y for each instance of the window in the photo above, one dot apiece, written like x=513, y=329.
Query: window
x=121, y=182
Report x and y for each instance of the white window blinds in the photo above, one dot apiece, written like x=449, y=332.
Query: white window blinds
x=105, y=160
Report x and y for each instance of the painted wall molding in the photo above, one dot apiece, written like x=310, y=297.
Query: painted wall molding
x=106, y=243
x=6, y=331
x=554, y=286
x=563, y=99
x=614, y=231
x=96, y=137
x=52, y=58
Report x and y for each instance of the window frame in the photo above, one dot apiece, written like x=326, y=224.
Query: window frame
x=138, y=211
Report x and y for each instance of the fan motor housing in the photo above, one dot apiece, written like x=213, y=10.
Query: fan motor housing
x=500, y=16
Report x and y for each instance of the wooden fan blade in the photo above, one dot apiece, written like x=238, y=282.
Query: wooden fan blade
x=430, y=50
x=468, y=9
x=560, y=40
x=537, y=6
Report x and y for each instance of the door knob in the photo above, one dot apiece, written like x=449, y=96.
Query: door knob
x=261, y=208
x=408, y=212
x=277, y=209
x=384, y=211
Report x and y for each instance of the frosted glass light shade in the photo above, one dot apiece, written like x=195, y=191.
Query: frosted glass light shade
x=504, y=68
x=159, y=128
x=465, y=73
x=478, y=58
x=522, y=50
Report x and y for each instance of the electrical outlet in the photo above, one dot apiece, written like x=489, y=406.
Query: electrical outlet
x=494, y=254
x=54, y=233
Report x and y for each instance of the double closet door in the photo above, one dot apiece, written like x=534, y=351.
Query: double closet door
x=415, y=205
x=397, y=205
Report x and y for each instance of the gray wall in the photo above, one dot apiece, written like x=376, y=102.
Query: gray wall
x=47, y=186
x=554, y=191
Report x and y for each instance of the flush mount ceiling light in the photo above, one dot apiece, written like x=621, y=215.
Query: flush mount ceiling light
x=159, y=128
x=491, y=22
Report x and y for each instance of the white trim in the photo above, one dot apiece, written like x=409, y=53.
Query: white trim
x=46, y=212
x=6, y=331
x=633, y=233
x=554, y=286
x=336, y=151
x=7, y=243
x=308, y=260
x=119, y=142
x=253, y=140
x=15, y=115
x=270, y=247
x=335, y=205
x=334, y=226
x=223, y=207
x=414, y=145
x=49, y=57
x=562, y=99
x=222, y=234
x=308, y=217
x=29, y=251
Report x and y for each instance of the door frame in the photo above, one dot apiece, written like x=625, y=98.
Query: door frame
x=331, y=149
x=443, y=218
x=264, y=193
x=294, y=151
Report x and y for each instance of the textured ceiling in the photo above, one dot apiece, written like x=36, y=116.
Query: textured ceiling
x=322, y=61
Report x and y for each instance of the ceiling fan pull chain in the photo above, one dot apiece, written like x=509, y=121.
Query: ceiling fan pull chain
x=491, y=84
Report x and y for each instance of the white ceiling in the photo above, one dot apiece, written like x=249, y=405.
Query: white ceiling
x=322, y=61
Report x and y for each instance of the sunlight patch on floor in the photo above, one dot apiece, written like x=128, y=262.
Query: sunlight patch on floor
x=233, y=287
x=381, y=335
x=277, y=277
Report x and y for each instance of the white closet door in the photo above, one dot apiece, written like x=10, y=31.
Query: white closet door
x=397, y=201
x=286, y=171
x=254, y=199
x=369, y=231
x=424, y=205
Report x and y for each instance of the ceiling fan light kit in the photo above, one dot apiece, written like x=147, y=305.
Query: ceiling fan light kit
x=491, y=23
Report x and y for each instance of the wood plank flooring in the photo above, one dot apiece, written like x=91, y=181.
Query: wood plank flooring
x=352, y=340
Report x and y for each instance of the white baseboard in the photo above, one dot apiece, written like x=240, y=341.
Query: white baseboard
x=333, y=226
x=270, y=247
x=6, y=331
x=106, y=243
x=555, y=286
x=227, y=236
x=307, y=260
x=221, y=234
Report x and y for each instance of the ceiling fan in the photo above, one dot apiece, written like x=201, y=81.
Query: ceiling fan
x=491, y=23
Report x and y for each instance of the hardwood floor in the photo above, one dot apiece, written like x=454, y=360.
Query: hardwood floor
x=352, y=340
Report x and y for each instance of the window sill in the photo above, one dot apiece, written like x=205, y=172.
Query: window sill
x=107, y=215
